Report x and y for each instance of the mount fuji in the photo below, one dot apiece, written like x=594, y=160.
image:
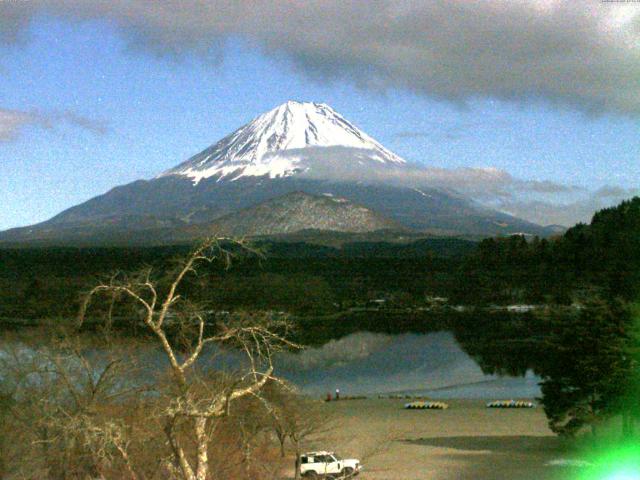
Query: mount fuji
x=295, y=148
x=276, y=144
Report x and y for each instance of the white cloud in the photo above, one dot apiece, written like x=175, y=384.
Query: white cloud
x=546, y=212
x=540, y=201
x=482, y=183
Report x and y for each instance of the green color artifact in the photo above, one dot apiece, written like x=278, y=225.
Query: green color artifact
x=619, y=462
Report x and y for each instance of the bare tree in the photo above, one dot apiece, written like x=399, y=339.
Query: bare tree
x=309, y=424
x=195, y=402
x=62, y=397
x=296, y=418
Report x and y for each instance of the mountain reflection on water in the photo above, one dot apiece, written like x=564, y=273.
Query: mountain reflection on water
x=430, y=364
x=476, y=356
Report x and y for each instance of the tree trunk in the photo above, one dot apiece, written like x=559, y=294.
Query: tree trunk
x=247, y=459
x=178, y=453
x=203, y=457
x=297, y=463
x=282, y=439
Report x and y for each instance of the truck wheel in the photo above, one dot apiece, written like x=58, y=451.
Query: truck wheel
x=347, y=472
x=310, y=474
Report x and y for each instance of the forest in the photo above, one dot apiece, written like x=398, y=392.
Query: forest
x=601, y=258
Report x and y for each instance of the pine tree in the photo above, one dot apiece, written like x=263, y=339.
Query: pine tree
x=586, y=374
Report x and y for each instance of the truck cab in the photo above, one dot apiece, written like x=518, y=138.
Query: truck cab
x=323, y=464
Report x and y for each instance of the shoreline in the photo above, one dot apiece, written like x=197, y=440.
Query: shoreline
x=467, y=441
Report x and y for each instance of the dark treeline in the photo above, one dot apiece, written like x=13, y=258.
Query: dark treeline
x=601, y=259
x=298, y=278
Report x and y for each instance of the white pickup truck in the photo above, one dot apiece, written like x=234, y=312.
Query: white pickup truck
x=328, y=465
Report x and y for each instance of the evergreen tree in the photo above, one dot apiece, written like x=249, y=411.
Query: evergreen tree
x=587, y=368
x=630, y=403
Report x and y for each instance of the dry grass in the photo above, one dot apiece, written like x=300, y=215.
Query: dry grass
x=467, y=441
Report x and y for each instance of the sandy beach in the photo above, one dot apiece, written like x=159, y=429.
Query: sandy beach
x=466, y=441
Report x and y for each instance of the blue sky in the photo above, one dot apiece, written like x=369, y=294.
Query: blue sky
x=110, y=114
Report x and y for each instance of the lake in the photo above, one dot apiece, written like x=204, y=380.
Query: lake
x=430, y=364
x=365, y=363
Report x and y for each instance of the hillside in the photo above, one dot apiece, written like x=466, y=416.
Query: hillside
x=298, y=211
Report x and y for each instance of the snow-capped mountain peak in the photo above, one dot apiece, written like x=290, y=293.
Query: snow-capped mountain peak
x=273, y=144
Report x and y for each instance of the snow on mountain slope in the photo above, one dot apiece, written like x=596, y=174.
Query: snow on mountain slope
x=257, y=148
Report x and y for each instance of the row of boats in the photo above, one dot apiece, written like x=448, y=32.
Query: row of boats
x=427, y=405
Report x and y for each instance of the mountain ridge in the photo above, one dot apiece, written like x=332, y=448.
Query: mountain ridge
x=296, y=147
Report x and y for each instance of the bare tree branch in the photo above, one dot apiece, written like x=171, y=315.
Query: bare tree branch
x=193, y=402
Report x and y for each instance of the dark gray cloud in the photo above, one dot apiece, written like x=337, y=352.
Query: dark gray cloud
x=583, y=54
x=13, y=122
x=13, y=21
